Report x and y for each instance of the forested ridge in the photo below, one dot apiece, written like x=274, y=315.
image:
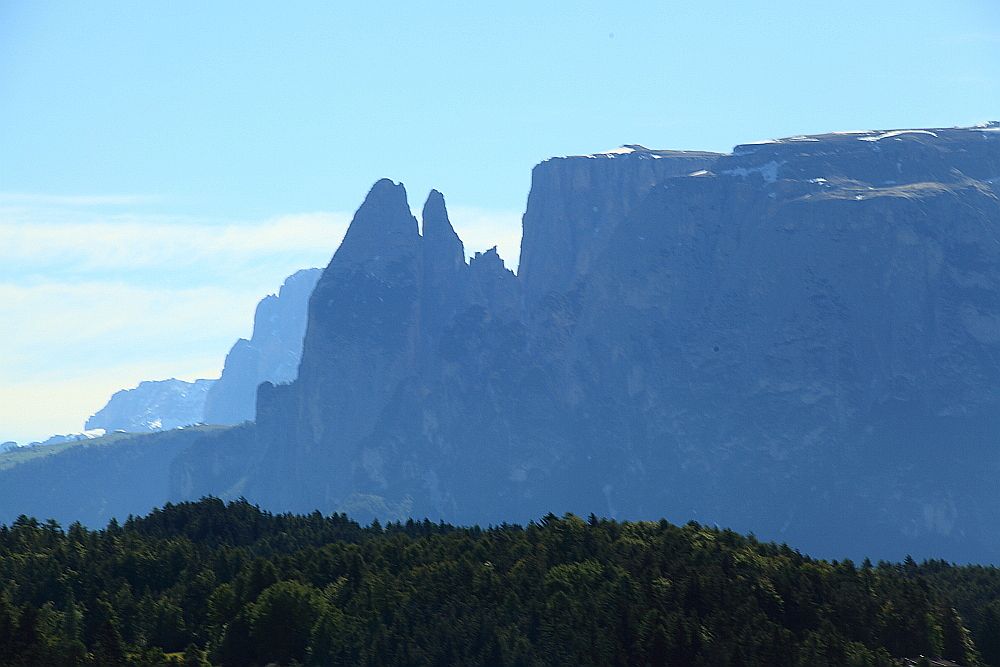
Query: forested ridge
x=211, y=583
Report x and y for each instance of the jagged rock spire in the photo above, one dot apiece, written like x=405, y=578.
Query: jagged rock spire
x=443, y=249
x=488, y=261
x=381, y=226
x=493, y=284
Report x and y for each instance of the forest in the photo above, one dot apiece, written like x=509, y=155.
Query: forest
x=211, y=583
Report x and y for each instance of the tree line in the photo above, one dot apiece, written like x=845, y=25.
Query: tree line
x=210, y=583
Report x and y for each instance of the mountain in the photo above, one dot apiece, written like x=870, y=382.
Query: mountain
x=800, y=338
x=271, y=355
x=377, y=345
x=154, y=405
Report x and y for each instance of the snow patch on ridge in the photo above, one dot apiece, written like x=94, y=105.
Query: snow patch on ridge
x=641, y=151
x=797, y=138
x=768, y=171
x=896, y=133
x=621, y=150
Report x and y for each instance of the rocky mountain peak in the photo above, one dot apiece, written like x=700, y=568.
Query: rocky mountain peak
x=381, y=228
x=153, y=405
x=443, y=249
x=271, y=354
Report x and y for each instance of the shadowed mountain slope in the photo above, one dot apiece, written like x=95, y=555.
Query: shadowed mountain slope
x=801, y=338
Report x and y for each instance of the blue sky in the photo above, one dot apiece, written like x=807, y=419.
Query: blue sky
x=163, y=165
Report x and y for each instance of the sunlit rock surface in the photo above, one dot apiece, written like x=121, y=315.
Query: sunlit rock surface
x=153, y=405
x=271, y=355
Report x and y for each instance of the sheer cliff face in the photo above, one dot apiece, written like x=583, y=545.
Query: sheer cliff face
x=576, y=203
x=785, y=354
x=363, y=331
x=272, y=353
x=801, y=339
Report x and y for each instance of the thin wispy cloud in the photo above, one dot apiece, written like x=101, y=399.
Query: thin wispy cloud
x=67, y=242
x=74, y=241
x=95, y=298
x=57, y=328
x=105, y=244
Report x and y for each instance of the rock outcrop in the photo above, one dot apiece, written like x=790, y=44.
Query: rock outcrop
x=153, y=405
x=271, y=355
x=576, y=204
x=377, y=321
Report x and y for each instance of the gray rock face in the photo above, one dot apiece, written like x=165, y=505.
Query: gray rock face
x=801, y=338
x=271, y=355
x=153, y=406
x=576, y=203
x=376, y=322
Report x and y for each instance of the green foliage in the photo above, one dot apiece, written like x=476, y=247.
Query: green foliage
x=210, y=583
x=282, y=620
